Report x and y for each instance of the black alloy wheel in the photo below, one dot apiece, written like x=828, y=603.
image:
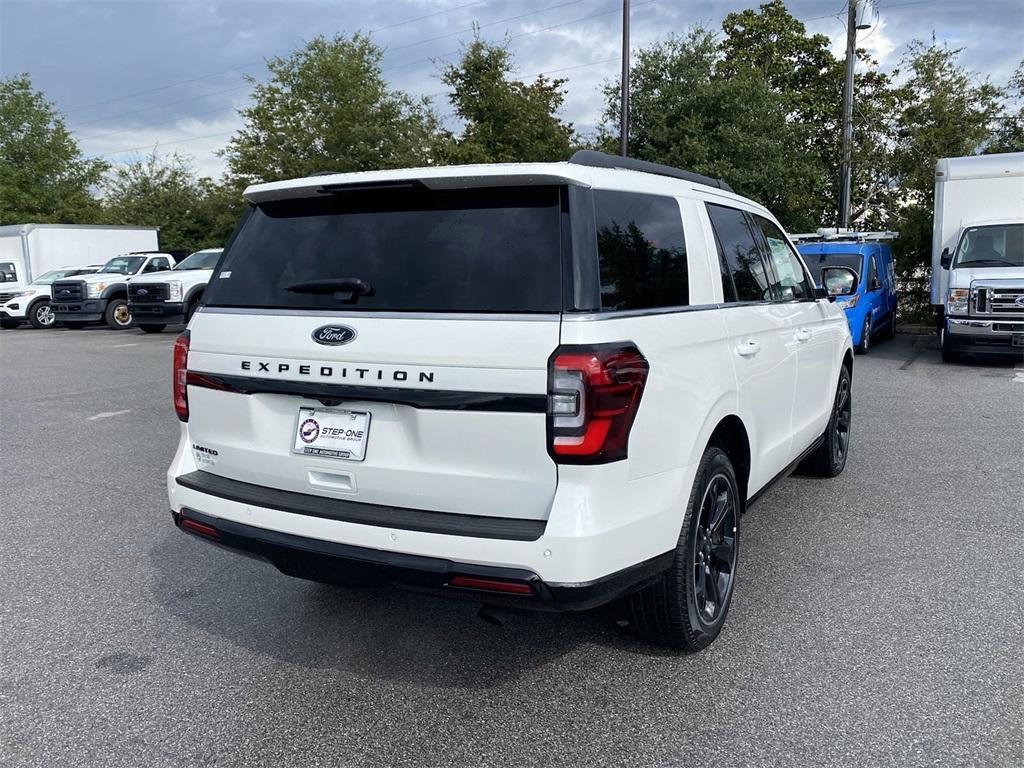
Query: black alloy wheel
x=714, y=555
x=841, y=422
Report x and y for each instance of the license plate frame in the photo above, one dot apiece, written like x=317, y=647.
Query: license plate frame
x=325, y=443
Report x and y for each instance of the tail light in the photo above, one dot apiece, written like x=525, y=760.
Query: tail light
x=181, y=376
x=593, y=396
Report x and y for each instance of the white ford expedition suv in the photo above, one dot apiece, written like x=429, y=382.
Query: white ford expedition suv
x=538, y=385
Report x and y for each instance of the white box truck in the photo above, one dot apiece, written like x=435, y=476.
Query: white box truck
x=978, y=254
x=29, y=250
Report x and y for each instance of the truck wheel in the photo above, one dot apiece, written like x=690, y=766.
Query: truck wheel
x=829, y=459
x=865, y=337
x=686, y=608
x=949, y=355
x=117, y=314
x=73, y=325
x=40, y=315
x=149, y=328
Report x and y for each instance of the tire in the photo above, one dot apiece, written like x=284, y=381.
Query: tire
x=829, y=459
x=191, y=309
x=117, y=315
x=865, y=337
x=949, y=355
x=686, y=608
x=41, y=316
x=73, y=325
x=890, y=329
x=150, y=328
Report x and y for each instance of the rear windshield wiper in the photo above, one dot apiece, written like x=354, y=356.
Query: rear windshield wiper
x=344, y=289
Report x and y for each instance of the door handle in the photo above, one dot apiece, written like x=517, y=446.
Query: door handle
x=803, y=335
x=748, y=349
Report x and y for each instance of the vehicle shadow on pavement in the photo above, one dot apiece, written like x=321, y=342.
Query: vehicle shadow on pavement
x=376, y=632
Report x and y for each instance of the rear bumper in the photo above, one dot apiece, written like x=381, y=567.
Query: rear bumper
x=165, y=312
x=985, y=337
x=336, y=563
x=86, y=311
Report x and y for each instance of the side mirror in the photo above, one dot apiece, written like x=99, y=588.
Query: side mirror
x=946, y=258
x=839, y=281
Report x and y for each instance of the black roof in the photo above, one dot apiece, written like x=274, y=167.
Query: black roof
x=594, y=159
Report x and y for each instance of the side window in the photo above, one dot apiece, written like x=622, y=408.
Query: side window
x=739, y=254
x=872, y=273
x=641, y=251
x=157, y=265
x=791, y=281
x=8, y=272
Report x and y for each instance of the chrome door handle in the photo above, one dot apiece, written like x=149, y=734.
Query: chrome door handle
x=803, y=335
x=748, y=349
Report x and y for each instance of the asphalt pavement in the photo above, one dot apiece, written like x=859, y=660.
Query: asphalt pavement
x=878, y=618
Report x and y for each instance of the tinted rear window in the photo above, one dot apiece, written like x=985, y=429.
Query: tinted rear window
x=479, y=250
x=642, y=251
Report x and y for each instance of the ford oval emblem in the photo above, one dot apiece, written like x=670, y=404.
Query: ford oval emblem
x=333, y=335
x=143, y=292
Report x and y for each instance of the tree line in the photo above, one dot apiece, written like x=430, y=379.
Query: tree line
x=756, y=103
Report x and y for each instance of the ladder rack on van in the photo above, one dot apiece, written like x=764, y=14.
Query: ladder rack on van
x=827, y=234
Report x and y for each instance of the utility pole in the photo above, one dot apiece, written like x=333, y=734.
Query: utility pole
x=624, y=90
x=851, y=61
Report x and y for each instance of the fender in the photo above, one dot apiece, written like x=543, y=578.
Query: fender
x=727, y=405
x=192, y=292
x=115, y=291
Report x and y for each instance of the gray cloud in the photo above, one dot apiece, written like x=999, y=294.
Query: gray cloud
x=131, y=75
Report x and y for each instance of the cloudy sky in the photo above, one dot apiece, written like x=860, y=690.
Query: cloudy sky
x=132, y=74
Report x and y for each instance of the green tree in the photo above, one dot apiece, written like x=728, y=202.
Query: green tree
x=685, y=112
x=327, y=107
x=1008, y=135
x=505, y=120
x=163, y=192
x=946, y=112
x=43, y=176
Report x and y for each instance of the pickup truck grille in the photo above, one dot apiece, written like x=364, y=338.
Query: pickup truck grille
x=72, y=290
x=1006, y=301
x=142, y=293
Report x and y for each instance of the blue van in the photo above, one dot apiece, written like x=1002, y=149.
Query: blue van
x=872, y=308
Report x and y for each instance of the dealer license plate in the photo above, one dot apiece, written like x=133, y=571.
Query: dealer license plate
x=332, y=433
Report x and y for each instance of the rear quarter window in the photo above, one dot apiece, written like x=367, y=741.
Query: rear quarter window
x=477, y=250
x=641, y=251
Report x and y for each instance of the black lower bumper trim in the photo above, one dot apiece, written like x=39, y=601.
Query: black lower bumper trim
x=347, y=565
x=164, y=312
x=452, y=524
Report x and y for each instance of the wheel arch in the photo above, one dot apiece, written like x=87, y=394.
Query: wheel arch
x=730, y=434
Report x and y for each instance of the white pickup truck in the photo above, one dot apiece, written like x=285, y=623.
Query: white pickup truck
x=103, y=297
x=31, y=304
x=978, y=255
x=163, y=298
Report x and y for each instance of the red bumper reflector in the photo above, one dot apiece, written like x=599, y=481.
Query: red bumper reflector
x=490, y=585
x=201, y=528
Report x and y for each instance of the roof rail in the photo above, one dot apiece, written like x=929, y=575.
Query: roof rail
x=594, y=159
x=832, y=234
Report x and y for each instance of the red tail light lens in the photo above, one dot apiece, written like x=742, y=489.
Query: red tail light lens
x=201, y=528
x=490, y=585
x=181, y=376
x=593, y=396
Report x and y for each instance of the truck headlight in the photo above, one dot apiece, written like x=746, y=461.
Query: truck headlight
x=95, y=290
x=174, y=291
x=849, y=301
x=956, y=303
